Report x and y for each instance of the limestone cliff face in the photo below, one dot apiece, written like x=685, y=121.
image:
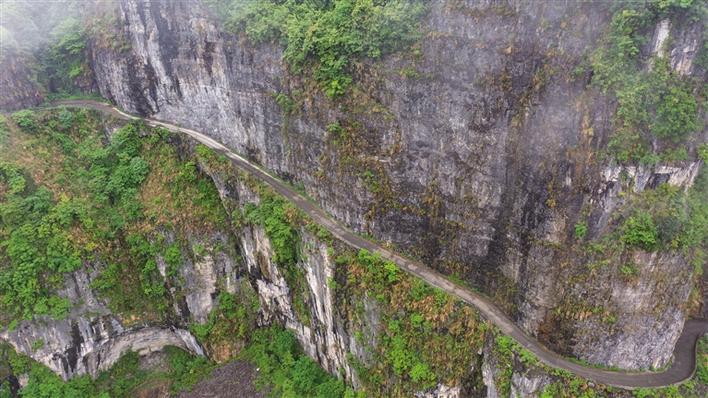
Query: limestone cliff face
x=483, y=153
x=324, y=335
x=18, y=87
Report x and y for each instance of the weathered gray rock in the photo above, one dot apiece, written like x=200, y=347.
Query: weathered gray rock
x=90, y=339
x=487, y=152
x=18, y=83
x=323, y=334
x=528, y=384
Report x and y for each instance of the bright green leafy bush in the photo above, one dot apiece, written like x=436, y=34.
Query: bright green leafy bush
x=232, y=319
x=628, y=269
x=640, y=231
x=288, y=371
x=581, y=229
x=186, y=370
x=25, y=119
x=276, y=215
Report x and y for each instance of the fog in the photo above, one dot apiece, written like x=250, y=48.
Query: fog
x=27, y=25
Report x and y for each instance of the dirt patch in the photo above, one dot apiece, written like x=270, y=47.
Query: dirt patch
x=236, y=379
x=153, y=389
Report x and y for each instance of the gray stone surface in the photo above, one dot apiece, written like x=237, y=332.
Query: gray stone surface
x=487, y=153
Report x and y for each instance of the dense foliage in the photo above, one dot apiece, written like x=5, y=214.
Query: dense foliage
x=276, y=215
x=65, y=60
x=36, y=226
x=183, y=370
x=69, y=197
x=327, y=35
x=287, y=370
x=640, y=231
x=86, y=198
x=655, y=106
x=229, y=323
x=425, y=337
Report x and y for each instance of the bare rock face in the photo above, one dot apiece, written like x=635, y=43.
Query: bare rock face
x=528, y=384
x=18, y=86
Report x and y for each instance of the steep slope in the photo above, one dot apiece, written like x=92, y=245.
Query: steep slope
x=683, y=356
x=500, y=148
x=359, y=316
x=477, y=152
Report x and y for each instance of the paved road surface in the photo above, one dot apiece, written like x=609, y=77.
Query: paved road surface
x=684, y=358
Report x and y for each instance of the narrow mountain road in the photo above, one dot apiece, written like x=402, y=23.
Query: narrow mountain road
x=682, y=367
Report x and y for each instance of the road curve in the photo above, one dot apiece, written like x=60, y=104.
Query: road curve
x=681, y=368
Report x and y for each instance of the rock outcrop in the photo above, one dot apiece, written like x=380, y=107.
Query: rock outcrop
x=91, y=339
x=18, y=85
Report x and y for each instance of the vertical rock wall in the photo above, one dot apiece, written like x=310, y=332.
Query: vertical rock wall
x=484, y=156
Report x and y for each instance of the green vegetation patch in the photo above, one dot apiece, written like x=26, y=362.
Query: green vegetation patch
x=125, y=378
x=278, y=217
x=281, y=220
x=639, y=230
x=326, y=36
x=230, y=323
x=69, y=195
x=654, y=105
x=425, y=336
x=64, y=68
x=285, y=368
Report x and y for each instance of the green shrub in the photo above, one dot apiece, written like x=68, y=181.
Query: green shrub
x=286, y=103
x=232, y=319
x=274, y=215
x=703, y=152
x=581, y=229
x=288, y=371
x=702, y=369
x=66, y=59
x=186, y=369
x=420, y=373
x=628, y=269
x=676, y=114
x=173, y=259
x=26, y=119
x=640, y=231
x=657, y=100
